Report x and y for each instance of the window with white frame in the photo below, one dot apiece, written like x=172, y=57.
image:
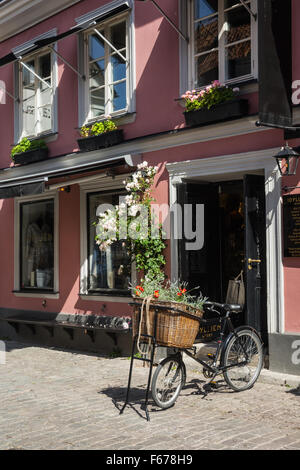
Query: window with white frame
x=36, y=81
x=109, y=269
x=107, y=64
x=37, y=245
x=222, y=45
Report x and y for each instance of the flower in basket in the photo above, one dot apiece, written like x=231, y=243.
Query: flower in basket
x=167, y=291
x=212, y=95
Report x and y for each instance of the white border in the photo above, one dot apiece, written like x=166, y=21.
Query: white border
x=17, y=202
x=83, y=106
x=244, y=163
x=104, y=184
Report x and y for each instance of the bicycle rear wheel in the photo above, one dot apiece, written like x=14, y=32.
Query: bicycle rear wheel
x=167, y=381
x=244, y=358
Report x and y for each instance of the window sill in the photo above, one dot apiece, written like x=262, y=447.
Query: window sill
x=47, y=136
x=119, y=119
x=38, y=294
x=101, y=297
x=246, y=88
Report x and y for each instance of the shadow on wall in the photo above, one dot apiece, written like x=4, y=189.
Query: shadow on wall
x=157, y=70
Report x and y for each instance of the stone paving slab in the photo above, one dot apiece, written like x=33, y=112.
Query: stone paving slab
x=57, y=399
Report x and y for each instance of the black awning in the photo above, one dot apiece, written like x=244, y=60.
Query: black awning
x=275, y=62
x=36, y=45
x=23, y=189
x=31, y=179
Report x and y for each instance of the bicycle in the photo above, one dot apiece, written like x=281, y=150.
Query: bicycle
x=238, y=356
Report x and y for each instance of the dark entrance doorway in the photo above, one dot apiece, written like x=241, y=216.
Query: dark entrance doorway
x=234, y=242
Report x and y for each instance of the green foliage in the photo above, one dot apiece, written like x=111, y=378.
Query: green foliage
x=169, y=291
x=212, y=95
x=98, y=128
x=25, y=145
x=144, y=243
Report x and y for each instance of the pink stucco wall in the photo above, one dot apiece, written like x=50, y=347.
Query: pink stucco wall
x=157, y=88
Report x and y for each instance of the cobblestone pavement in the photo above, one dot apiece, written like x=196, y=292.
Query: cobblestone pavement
x=57, y=399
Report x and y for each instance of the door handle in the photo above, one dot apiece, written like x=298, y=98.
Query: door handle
x=250, y=261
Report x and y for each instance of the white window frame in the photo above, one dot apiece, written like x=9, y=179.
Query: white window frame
x=18, y=114
x=127, y=114
x=104, y=184
x=106, y=26
x=221, y=47
x=18, y=291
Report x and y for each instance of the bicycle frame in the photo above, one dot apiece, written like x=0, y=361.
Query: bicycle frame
x=213, y=368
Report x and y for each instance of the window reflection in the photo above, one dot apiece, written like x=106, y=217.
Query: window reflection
x=37, y=244
x=111, y=268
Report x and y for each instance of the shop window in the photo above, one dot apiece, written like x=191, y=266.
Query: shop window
x=37, y=245
x=109, y=270
x=107, y=88
x=223, y=44
x=36, y=89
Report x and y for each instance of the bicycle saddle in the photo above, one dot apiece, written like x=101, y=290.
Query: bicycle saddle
x=235, y=308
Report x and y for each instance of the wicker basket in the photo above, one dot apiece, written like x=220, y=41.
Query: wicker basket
x=177, y=324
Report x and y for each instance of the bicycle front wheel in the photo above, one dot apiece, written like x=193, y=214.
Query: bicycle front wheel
x=243, y=357
x=167, y=381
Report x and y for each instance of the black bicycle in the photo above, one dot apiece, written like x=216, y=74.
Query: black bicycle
x=238, y=357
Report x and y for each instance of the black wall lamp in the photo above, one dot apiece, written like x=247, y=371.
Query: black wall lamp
x=287, y=161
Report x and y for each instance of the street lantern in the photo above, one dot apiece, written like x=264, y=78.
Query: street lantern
x=287, y=161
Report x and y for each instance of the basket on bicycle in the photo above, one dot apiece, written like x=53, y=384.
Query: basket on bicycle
x=177, y=324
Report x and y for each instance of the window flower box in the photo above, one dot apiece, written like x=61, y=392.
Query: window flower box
x=234, y=109
x=100, y=135
x=28, y=151
x=215, y=103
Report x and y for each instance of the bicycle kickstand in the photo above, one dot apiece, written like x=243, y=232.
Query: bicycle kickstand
x=207, y=385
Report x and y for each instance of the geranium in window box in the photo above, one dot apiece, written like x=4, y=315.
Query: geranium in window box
x=100, y=135
x=215, y=103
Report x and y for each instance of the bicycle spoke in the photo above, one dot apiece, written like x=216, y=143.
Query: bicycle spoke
x=167, y=382
x=243, y=358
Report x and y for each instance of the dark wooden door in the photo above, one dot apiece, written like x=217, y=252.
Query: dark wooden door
x=201, y=267
x=255, y=252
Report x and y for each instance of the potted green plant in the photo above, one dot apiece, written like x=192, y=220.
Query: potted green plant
x=100, y=135
x=133, y=222
x=29, y=151
x=215, y=103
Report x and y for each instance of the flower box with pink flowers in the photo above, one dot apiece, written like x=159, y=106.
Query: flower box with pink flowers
x=215, y=103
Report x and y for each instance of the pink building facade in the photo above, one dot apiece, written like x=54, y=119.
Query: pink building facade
x=71, y=63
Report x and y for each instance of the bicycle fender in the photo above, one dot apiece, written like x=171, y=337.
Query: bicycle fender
x=240, y=328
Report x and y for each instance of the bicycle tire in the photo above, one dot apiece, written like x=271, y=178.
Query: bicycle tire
x=243, y=377
x=167, y=382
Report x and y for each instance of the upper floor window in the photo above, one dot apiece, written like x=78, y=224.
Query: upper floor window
x=222, y=41
x=107, y=63
x=36, y=83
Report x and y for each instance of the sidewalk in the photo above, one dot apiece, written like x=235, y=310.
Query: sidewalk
x=58, y=399
x=266, y=376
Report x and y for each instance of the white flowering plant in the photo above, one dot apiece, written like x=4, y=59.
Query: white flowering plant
x=213, y=94
x=133, y=222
